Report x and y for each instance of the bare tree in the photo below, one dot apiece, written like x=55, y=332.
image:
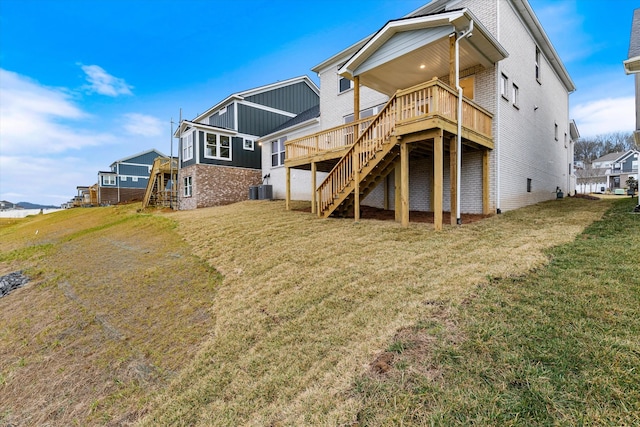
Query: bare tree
x=589, y=149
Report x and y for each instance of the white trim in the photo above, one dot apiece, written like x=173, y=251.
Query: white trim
x=218, y=146
x=244, y=144
x=265, y=108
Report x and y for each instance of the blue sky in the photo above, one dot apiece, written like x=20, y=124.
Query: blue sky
x=86, y=82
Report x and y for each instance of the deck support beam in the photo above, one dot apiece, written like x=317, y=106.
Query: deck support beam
x=438, y=159
x=356, y=183
x=314, y=200
x=486, y=209
x=397, y=204
x=356, y=99
x=404, y=183
x=453, y=178
x=287, y=200
x=386, y=193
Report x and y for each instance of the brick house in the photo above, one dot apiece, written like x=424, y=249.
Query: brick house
x=389, y=107
x=219, y=157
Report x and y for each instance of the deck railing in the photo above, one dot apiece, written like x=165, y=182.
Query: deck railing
x=335, y=138
x=360, y=153
x=419, y=102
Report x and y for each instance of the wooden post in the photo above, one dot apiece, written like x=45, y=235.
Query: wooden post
x=287, y=201
x=356, y=183
x=453, y=179
x=404, y=183
x=437, y=181
x=386, y=193
x=356, y=100
x=486, y=209
x=397, y=205
x=452, y=60
x=313, y=187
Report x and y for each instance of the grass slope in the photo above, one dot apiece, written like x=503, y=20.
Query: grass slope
x=307, y=305
x=310, y=322
x=558, y=346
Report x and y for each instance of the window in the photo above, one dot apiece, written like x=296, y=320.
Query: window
x=123, y=179
x=528, y=185
x=134, y=178
x=248, y=144
x=515, y=95
x=537, y=64
x=217, y=146
x=108, y=180
x=187, y=186
x=277, y=152
x=344, y=84
x=504, y=86
x=187, y=146
x=555, y=131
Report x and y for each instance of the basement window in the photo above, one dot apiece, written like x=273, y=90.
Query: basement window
x=187, y=186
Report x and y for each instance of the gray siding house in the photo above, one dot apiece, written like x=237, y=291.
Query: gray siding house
x=126, y=179
x=219, y=157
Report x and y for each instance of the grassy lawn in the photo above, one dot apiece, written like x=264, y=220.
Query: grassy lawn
x=558, y=346
x=252, y=315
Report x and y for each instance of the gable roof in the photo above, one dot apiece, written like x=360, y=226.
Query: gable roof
x=632, y=65
x=430, y=29
x=608, y=157
x=626, y=155
x=250, y=92
x=438, y=6
x=124, y=159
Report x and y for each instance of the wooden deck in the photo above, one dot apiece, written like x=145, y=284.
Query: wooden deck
x=359, y=155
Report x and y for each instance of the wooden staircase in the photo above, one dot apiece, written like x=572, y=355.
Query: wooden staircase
x=369, y=160
x=163, y=172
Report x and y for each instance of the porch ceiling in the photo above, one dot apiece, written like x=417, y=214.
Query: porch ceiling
x=407, y=52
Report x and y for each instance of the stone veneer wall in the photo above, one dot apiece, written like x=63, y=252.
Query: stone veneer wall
x=216, y=185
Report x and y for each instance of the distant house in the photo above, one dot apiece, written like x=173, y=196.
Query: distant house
x=608, y=173
x=127, y=178
x=632, y=66
x=7, y=206
x=460, y=106
x=219, y=157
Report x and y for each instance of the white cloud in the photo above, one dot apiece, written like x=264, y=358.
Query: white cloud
x=35, y=118
x=104, y=83
x=143, y=125
x=44, y=180
x=605, y=116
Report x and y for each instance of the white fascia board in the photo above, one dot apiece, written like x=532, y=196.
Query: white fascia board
x=537, y=31
x=202, y=126
x=308, y=123
x=265, y=108
x=632, y=65
x=122, y=160
x=218, y=106
x=280, y=84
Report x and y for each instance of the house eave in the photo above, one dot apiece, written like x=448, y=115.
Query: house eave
x=302, y=125
x=632, y=65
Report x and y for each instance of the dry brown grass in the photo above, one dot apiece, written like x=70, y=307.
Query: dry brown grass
x=123, y=324
x=307, y=304
x=117, y=306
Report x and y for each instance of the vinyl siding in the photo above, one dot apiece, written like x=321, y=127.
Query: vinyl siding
x=254, y=121
x=226, y=120
x=294, y=98
x=239, y=156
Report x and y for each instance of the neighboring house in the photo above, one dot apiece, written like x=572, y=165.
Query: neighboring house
x=7, y=206
x=389, y=106
x=127, y=178
x=609, y=172
x=219, y=154
x=632, y=66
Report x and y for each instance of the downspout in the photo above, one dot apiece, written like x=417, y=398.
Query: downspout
x=497, y=116
x=464, y=34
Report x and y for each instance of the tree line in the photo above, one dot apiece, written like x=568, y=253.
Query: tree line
x=589, y=149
